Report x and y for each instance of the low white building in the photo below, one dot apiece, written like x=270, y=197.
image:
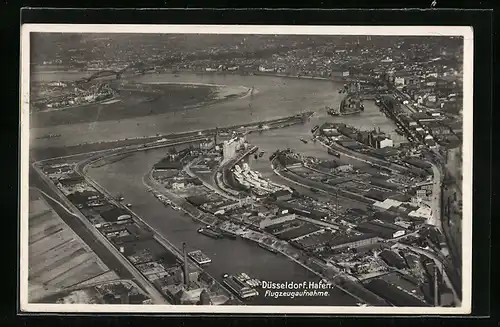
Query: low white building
x=386, y=143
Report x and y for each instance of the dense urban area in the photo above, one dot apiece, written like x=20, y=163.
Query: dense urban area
x=372, y=215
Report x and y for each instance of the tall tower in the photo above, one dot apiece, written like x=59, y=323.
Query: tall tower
x=186, y=272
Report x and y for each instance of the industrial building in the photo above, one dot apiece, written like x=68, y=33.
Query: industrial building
x=353, y=241
x=230, y=147
x=382, y=229
x=393, y=259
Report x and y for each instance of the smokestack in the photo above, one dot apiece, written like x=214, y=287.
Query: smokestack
x=186, y=273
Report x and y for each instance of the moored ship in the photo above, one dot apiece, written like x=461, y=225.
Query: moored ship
x=228, y=234
x=209, y=233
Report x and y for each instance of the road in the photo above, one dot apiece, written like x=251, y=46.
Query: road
x=436, y=198
x=156, y=296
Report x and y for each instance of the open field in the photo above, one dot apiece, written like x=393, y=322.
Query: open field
x=58, y=258
x=81, y=230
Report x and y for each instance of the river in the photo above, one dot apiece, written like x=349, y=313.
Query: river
x=275, y=97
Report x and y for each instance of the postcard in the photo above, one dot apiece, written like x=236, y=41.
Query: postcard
x=246, y=169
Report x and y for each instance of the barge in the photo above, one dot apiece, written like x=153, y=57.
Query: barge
x=210, y=233
x=228, y=234
x=199, y=257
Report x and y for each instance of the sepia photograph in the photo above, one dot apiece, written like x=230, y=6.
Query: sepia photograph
x=246, y=169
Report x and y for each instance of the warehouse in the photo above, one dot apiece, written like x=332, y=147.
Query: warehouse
x=417, y=163
x=383, y=183
x=393, y=259
x=198, y=200
x=299, y=210
x=115, y=214
x=381, y=229
x=353, y=241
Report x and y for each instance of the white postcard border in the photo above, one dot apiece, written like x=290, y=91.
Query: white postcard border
x=464, y=31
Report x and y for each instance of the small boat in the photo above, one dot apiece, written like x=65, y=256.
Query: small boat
x=303, y=141
x=261, y=153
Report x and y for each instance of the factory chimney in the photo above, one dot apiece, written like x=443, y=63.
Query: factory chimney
x=186, y=272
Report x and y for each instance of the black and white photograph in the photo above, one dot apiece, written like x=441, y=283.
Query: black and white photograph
x=246, y=169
